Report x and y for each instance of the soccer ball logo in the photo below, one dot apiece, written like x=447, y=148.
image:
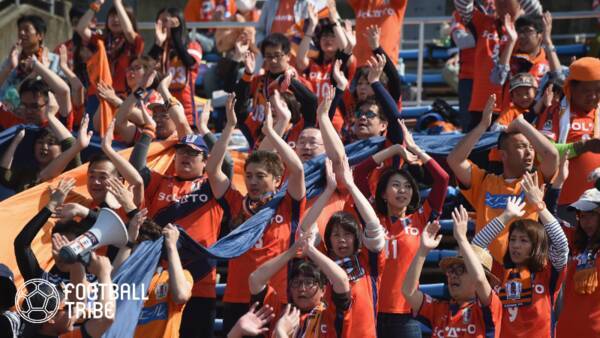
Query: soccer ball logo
x=37, y=301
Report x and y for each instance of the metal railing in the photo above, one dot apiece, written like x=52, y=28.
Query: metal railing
x=419, y=21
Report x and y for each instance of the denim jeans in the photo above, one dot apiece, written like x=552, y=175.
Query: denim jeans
x=393, y=325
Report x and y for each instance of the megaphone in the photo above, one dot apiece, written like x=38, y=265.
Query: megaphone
x=109, y=229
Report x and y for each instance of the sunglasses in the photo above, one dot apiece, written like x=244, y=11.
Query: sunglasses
x=368, y=114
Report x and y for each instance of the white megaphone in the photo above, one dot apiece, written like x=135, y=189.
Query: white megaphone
x=109, y=229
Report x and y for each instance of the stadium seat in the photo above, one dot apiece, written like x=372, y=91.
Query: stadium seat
x=447, y=226
x=428, y=79
x=572, y=50
x=452, y=192
x=436, y=255
x=438, y=53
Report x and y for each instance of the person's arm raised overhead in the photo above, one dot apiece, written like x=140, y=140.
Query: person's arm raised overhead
x=302, y=60
x=514, y=209
x=394, y=86
x=430, y=239
x=499, y=73
x=126, y=25
x=458, y=157
x=338, y=31
x=219, y=182
x=9, y=153
x=83, y=26
x=12, y=61
x=123, y=166
x=558, y=253
x=472, y=262
x=336, y=275
x=174, y=108
x=283, y=119
x=544, y=149
x=388, y=106
x=295, y=169
x=331, y=140
x=553, y=60
x=180, y=289
x=57, y=85
x=311, y=216
x=58, y=165
x=260, y=277
x=77, y=89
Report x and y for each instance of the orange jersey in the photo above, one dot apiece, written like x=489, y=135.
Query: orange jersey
x=275, y=240
x=402, y=242
x=184, y=79
x=509, y=115
x=284, y=19
x=448, y=319
x=466, y=57
x=488, y=194
x=487, y=49
x=580, y=314
x=191, y=205
x=389, y=16
x=581, y=128
x=522, y=63
x=160, y=316
x=528, y=302
x=119, y=59
x=203, y=10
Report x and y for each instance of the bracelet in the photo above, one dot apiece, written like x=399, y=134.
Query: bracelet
x=132, y=213
x=130, y=244
x=94, y=6
x=552, y=49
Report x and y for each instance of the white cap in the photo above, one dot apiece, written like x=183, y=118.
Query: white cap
x=588, y=201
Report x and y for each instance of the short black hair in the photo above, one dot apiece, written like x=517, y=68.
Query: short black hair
x=101, y=157
x=371, y=101
x=34, y=86
x=306, y=268
x=533, y=20
x=276, y=40
x=346, y=221
x=384, y=179
x=503, y=137
x=37, y=22
x=72, y=227
x=269, y=159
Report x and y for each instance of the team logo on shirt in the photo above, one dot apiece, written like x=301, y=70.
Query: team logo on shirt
x=466, y=316
x=161, y=290
x=498, y=201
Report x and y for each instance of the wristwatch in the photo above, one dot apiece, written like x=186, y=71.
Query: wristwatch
x=130, y=244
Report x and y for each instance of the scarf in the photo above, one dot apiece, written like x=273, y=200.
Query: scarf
x=310, y=327
x=586, y=275
x=352, y=267
x=516, y=290
x=564, y=123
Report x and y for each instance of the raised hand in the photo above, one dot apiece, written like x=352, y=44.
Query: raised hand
x=534, y=194
x=255, y=321
x=313, y=17
x=171, y=234
x=289, y=321
x=107, y=140
x=249, y=62
x=267, y=127
x=122, y=194
x=165, y=83
x=350, y=35
x=375, y=64
x=133, y=228
x=230, y=110
x=405, y=154
x=431, y=238
x=99, y=265
x=331, y=183
x=409, y=141
x=373, y=34
x=58, y=242
x=460, y=217
x=107, y=92
x=509, y=25
x=514, y=207
x=344, y=174
x=280, y=106
x=204, y=117
x=548, y=95
x=68, y=211
x=85, y=136
x=160, y=33
x=59, y=194
x=63, y=56
x=327, y=99
x=488, y=111
x=547, y=32
x=339, y=76
x=52, y=106
x=14, y=54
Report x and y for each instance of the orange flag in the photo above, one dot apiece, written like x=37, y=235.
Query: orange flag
x=99, y=70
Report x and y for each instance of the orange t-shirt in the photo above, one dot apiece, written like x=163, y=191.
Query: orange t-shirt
x=488, y=194
x=487, y=49
x=275, y=239
x=466, y=57
x=203, y=10
x=447, y=319
x=284, y=19
x=7, y=118
x=536, y=318
x=403, y=238
x=389, y=16
x=118, y=66
x=582, y=128
x=203, y=219
x=580, y=314
x=160, y=316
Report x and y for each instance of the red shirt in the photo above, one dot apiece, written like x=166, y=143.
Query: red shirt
x=193, y=206
x=534, y=319
x=184, y=79
x=466, y=57
x=448, y=319
x=120, y=53
x=387, y=14
x=403, y=237
x=284, y=19
x=275, y=240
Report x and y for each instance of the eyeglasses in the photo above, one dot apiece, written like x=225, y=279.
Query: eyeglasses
x=526, y=31
x=309, y=144
x=456, y=269
x=274, y=57
x=369, y=114
x=306, y=283
x=188, y=151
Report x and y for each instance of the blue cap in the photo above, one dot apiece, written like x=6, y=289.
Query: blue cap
x=194, y=141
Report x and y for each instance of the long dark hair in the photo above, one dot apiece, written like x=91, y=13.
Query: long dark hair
x=582, y=241
x=347, y=222
x=539, y=242
x=181, y=32
x=381, y=203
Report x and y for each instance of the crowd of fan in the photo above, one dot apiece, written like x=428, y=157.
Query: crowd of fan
x=303, y=85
